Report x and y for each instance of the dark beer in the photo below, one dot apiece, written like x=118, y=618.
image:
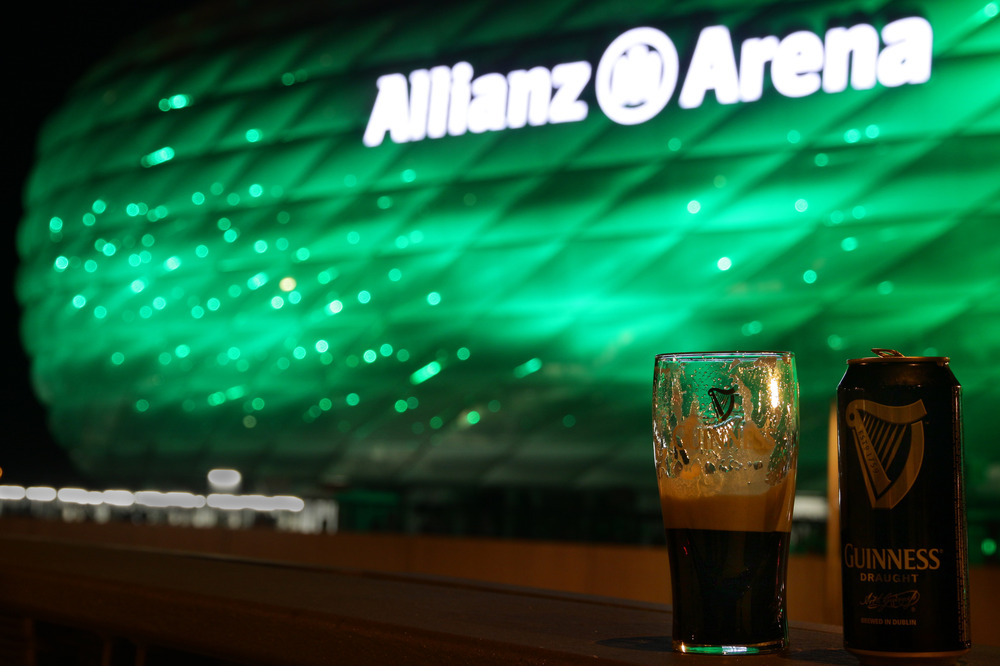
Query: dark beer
x=902, y=509
x=728, y=587
x=728, y=566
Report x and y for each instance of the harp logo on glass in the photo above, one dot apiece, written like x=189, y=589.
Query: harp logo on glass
x=638, y=74
x=723, y=401
x=890, y=445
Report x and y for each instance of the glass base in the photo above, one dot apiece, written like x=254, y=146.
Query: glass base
x=767, y=647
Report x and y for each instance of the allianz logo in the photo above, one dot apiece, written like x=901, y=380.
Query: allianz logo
x=638, y=75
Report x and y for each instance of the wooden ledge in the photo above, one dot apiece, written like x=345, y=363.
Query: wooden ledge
x=254, y=612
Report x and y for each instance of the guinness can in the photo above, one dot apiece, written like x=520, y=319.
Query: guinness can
x=904, y=556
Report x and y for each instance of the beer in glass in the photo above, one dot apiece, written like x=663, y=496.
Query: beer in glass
x=725, y=428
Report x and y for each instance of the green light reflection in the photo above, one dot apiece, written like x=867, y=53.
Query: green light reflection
x=228, y=203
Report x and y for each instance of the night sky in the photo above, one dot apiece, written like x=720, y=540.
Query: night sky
x=46, y=50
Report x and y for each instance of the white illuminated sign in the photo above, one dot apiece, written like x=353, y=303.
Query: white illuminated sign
x=638, y=74
x=448, y=100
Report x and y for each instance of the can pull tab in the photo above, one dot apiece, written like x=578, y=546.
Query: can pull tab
x=886, y=353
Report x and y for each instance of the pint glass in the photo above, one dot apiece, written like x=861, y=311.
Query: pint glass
x=725, y=430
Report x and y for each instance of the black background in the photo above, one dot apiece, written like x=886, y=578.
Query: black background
x=48, y=47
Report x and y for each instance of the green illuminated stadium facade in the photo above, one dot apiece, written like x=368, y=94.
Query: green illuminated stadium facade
x=441, y=247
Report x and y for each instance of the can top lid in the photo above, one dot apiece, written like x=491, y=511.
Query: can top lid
x=883, y=355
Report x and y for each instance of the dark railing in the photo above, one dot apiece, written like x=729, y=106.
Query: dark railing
x=74, y=601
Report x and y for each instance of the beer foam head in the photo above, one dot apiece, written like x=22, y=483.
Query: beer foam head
x=725, y=436
x=749, y=507
x=740, y=483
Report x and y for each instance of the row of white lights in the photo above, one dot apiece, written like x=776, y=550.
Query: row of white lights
x=153, y=498
x=159, y=500
x=805, y=507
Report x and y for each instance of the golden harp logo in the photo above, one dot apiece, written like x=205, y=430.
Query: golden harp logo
x=890, y=445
